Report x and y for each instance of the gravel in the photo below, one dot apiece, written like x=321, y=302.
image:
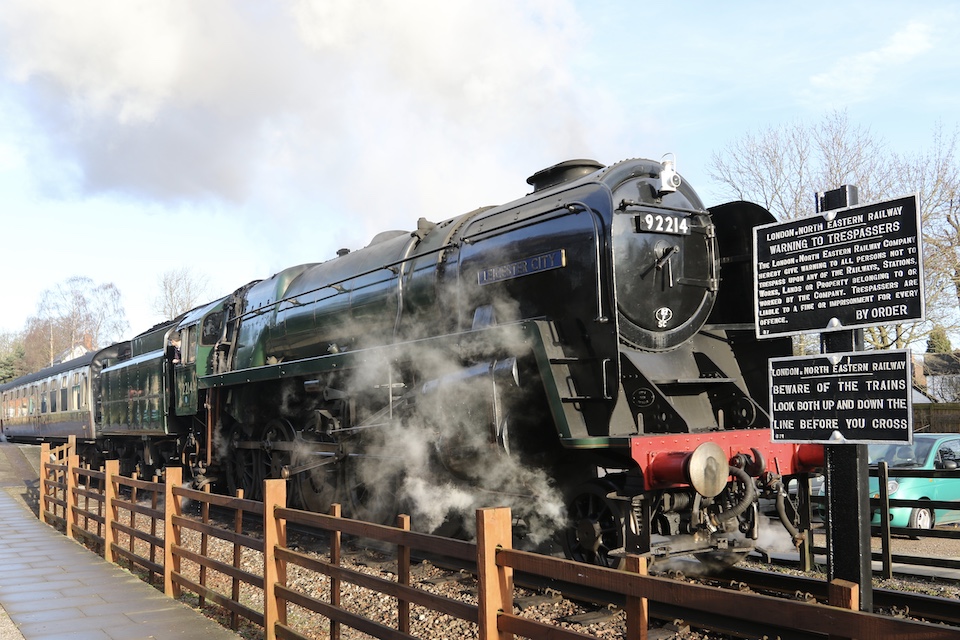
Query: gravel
x=430, y=624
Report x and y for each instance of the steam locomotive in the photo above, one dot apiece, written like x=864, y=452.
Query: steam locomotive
x=585, y=354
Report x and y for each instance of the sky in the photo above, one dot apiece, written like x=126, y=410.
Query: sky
x=239, y=137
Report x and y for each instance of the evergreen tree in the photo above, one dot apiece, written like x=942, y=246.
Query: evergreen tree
x=12, y=363
x=938, y=341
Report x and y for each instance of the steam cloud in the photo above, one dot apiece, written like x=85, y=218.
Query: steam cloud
x=277, y=105
x=439, y=459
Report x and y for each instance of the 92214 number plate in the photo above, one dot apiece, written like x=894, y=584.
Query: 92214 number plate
x=663, y=223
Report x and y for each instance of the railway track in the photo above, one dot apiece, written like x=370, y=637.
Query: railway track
x=914, y=605
x=600, y=609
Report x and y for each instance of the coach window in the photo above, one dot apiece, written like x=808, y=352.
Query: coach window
x=53, y=396
x=64, y=391
x=83, y=392
x=43, y=398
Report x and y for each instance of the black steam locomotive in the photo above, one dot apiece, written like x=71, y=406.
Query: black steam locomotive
x=586, y=354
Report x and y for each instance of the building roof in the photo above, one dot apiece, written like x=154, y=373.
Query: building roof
x=941, y=364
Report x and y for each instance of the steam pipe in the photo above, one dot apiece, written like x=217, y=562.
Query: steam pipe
x=750, y=495
x=785, y=520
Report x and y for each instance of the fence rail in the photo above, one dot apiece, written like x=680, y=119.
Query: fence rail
x=119, y=509
x=882, y=503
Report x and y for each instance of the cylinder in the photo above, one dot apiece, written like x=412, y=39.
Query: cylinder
x=705, y=468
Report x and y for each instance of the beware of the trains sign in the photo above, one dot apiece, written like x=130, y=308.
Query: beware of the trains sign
x=856, y=397
x=846, y=268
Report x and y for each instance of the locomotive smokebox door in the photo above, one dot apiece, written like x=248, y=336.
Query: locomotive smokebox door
x=665, y=272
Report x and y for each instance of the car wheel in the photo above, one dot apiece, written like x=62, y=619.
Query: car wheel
x=921, y=519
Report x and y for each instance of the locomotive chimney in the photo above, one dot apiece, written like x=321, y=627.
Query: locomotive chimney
x=563, y=172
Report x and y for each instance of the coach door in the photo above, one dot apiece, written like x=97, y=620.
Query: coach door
x=184, y=360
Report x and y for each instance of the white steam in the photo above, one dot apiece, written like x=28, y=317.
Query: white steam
x=774, y=538
x=439, y=458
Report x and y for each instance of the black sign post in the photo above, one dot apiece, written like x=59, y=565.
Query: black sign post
x=847, y=480
x=833, y=273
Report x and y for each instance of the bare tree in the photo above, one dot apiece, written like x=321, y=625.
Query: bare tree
x=784, y=167
x=180, y=290
x=74, y=312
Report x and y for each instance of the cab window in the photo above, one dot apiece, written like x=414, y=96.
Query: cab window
x=189, y=336
x=212, y=325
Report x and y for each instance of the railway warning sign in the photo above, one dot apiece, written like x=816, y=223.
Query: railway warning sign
x=846, y=268
x=857, y=397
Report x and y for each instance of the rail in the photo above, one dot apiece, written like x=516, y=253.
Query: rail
x=496, y=561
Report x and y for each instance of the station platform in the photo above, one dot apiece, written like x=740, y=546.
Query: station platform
x=51, y=587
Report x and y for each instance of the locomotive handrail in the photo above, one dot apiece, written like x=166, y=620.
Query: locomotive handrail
x=335, y=284
x=689, y=212
x=598, y=257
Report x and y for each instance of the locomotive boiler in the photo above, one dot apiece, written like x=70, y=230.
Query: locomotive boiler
x=590, y=345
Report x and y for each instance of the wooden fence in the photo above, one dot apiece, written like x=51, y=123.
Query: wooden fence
x=115, y=518
x=883, y=503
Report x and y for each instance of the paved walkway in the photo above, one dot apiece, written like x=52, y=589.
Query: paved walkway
x=53, y=588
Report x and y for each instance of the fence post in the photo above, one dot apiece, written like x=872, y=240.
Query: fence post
x=154, y=504
x=806, y=517
x=886, y=564
x=237, y=557
x=637, y=609
x=171, y=534
x=844, y=594
x=44, y=478
x=495, y=588
x=72, y=460
x=335, y=540
x=403, y=576
x=204, y=541
x=131, y=540
x=274, y=569
x=110, y=469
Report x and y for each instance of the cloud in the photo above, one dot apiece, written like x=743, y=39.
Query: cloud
x=299, y=102
x=858, y=77
x=10, y=158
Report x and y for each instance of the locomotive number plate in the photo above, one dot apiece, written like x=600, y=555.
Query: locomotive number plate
x=676, y=224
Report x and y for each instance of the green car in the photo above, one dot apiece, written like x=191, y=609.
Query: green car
x=929, y=451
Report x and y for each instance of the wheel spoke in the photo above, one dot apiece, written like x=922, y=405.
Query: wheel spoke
x=596, y=525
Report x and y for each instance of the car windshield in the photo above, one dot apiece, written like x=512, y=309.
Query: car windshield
x=901, y=455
